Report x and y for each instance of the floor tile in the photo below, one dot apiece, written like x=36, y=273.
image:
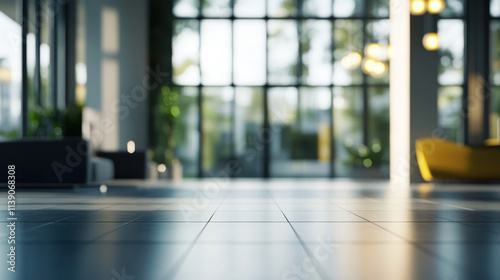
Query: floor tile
x=344, y=233
x=322, y=216
x=245, y=261
x=20, y=227
x=248, y=216
x=147, y=232
x=45, y=215
x=397, y=216
x=466, y=216
x=107, y=216
x=367, y=206
x=308, y=207
x=249, y=207
x=440, y=232
x=248, y=232
x=99, y=261
x=479, y=261
x=188, y=215
x=489, y=226
x=67, y=232
x=380, y=262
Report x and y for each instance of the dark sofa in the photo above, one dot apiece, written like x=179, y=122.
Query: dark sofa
x=53, y=162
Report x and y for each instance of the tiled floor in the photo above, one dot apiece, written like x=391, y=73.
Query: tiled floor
x=255, y=229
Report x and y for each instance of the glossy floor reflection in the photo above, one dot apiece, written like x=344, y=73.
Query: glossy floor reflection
x=254, y=229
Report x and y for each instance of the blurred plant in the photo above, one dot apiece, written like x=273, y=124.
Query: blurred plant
x=44, y=122
x=11, y=134
x=166, y=112
x=364, y=156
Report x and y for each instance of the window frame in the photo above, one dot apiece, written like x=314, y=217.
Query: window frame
x=365, y=85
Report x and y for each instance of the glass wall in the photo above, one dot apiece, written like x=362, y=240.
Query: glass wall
x=494, y=90
x=186, y=134
x=451, y=32
x=284, y=87
x=10, y=69
x=45, y=65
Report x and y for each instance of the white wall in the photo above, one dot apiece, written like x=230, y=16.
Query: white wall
x=116, y=51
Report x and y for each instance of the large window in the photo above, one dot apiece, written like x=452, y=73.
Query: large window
x=10, y=70
x=32, y=93
x=451, y=76
x=495, y=69
x=282, y=87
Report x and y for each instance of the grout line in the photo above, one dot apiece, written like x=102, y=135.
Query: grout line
x=414, y=244
x=321, y=272
x=174, y=269
x=62, y=219
x=124, y=224
x=459, y=207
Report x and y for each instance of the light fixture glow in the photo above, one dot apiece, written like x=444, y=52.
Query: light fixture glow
x=5, y=75
x=417, y=7
x=379, y=70
x=103, y=189
x=80, y=94
x=369, y=65
x=436, y=6
x=162, y=168
x=431, y=41
x=130, y=147
x=374, y=50
x=351, y=61
x=81, y=73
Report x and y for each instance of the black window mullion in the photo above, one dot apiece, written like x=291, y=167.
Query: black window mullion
x=365, y=81
x=299, y=37
x=200, y=97
x=465, y=85
x=266, y=126
x=37, y=78
x=332, y=108
x=233, y=101
x=298, y=72
x=70, y=52
x=53, y=56
x=24, y=68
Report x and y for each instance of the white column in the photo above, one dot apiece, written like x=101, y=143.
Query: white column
x=400, y=93
x=413, y=92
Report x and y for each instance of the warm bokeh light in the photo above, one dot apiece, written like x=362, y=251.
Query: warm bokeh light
x=379, y=70
x=389, y=51
x=374, y=68
x=162, y=168
x=80, y=94
x=369, y=65
x=130, y=147
x=374, y=50
x=5, y=75
x=431, y=41
x=351, y=61
x=103, y=189
x=417, y=7
x=436, y=6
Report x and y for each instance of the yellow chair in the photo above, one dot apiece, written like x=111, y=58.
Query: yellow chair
x=441, y=159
